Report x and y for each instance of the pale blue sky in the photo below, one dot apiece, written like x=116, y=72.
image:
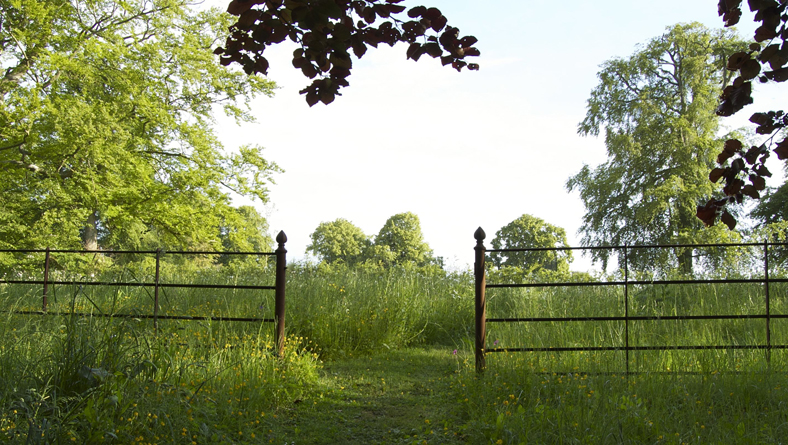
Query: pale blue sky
x=460, y=150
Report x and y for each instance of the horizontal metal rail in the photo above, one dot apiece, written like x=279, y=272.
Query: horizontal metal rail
x=704, y=374
x=135, y=252
x=639, y=318
x=641, y=246
x=642, y=282
x=142, y=316
x=639, y=348
x=139, y=284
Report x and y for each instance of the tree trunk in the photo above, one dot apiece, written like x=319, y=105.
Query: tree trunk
x=685, y=261
x=90, y=232
x=684, y=255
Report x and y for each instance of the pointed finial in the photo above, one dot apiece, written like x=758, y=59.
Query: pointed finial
x=479, y=234
x=281, y=238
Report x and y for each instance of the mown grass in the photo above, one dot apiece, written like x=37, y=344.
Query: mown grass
x=385, y=356
x=399, y=396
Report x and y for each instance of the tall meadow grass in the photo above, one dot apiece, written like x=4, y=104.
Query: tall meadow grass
x=348, y=311
x=729, y=299
x=91, y=379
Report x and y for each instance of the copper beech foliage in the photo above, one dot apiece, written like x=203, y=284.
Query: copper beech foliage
x=327, y=31
x=766, y=61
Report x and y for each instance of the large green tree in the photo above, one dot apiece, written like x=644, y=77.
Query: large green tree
x=106, y=135
x=244, y=229
x=531, y=232
x=401, y=235
x=656, y=109
x=339, y=241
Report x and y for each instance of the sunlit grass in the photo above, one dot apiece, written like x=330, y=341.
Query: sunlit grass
x=84, y=380
x=90, y=380
x=673, y=396
x=643, y=301
x=350, y=312
x=518, y=401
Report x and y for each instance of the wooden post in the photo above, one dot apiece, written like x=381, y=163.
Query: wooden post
x=279, y=303
x=46, y=281
x=481, y=309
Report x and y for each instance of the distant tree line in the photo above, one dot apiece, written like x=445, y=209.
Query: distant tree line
x=399, y=242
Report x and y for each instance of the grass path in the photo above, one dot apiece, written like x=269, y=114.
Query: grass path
x=400, y=396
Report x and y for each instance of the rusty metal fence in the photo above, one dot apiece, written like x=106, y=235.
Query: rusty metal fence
x=481, y=318
x=279, y=287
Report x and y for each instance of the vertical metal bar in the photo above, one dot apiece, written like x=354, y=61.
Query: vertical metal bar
x=279, y=302
x=768, y=308
x=156, y=293
x=626, y=308
x=46, y=281
x=481, y=309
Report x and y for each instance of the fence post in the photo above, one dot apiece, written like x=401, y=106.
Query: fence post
x=46, y=281
x=768, y=309
x=279, y=303
x=156, y=293
x=626, y=308
x=481, y=310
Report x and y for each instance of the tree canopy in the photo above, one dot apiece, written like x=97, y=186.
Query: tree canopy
x=339, y=241
x=401, y=234
x=244, y=229
x=327, y=31
x=399, y=242
x=106, y=135
x=531, y=232
x=656, y=109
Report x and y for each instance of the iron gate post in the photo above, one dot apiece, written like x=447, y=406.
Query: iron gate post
x=768, y=308
x=481, y=309
x=46, y=281
x=279, y=293
x=156, y=293
x=626, y=308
